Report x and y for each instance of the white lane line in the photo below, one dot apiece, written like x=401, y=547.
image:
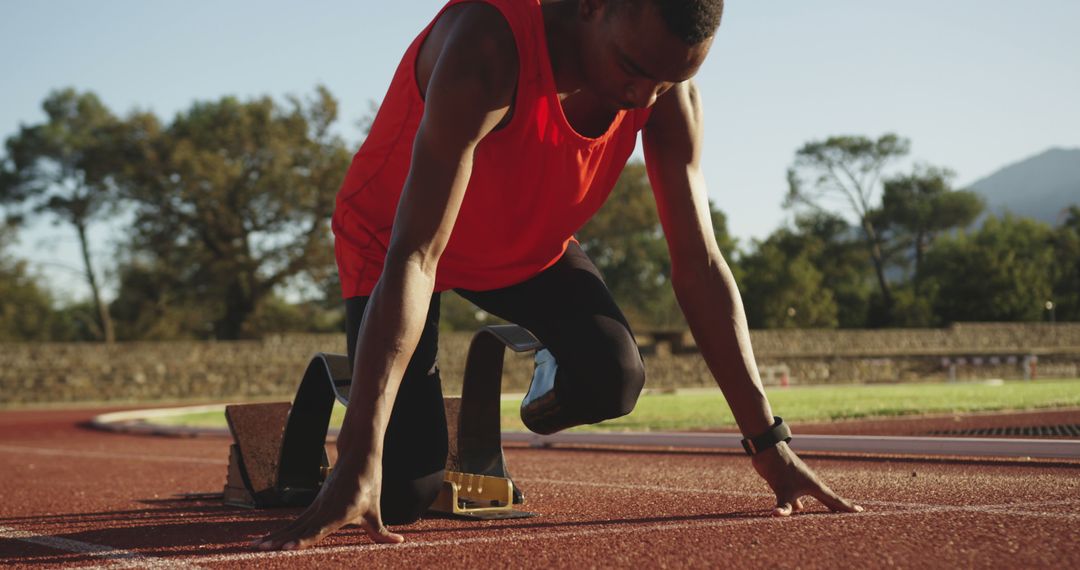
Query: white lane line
x=508, y=537
x=256, y=556
x=120, y=558
x=260, y=556
x=1002, y=509
x=108, y=455
x=1006, y=509
x=514, y=537
x=641, y=487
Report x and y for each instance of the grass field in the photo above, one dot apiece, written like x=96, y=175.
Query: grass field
x=699, y=410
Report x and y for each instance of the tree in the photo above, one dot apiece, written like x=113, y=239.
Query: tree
x=64, y=168
x=844, y=171
x=922, y=205
x=626, y=242
x=783, y=287
x=156, y=304
x=234, y=199
x=1066, y=267
x=1002, y=272
x=25, y=307
x=838, y=253
x=814, y=273
x=278, y=315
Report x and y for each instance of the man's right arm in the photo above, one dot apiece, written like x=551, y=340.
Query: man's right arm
x=468, y=92
x=467, y=71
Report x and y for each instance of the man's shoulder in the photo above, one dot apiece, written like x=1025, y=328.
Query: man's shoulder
x=472, y=39
x=677, y=113
x=476, y=27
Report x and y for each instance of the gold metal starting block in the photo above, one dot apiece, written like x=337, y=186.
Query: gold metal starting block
x=478, y=497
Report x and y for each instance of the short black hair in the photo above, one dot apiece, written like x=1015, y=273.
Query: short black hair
x=692, y=21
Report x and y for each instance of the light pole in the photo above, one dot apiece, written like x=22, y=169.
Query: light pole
x=1050, y=307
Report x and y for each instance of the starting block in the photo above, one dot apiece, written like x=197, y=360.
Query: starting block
x=477, y=496
x=278, y=458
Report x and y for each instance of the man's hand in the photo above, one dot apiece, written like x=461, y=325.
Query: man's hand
x=791, y=480
x=344, y=499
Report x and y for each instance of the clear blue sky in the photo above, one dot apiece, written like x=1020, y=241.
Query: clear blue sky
x=975, y=84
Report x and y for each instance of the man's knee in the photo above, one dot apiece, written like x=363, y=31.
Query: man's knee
x=582, y=388
x=602, y=382
x=615, y=384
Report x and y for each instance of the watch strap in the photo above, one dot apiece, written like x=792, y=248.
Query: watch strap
x=774, y=435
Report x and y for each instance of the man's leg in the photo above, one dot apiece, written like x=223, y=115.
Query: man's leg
x=598, y=373
x=414, y=451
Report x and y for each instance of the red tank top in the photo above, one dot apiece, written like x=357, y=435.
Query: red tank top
x=534, y=183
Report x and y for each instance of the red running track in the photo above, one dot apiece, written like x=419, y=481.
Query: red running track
x=73, y=497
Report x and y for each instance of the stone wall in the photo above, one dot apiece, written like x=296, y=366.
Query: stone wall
x=965, y=351
x=81, y=372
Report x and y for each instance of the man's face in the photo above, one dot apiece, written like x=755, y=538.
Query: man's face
x=630, y=57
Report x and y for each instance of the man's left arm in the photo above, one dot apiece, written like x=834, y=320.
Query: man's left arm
x=707, y=293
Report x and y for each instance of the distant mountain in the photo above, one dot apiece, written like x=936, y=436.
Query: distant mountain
x=1039, y=187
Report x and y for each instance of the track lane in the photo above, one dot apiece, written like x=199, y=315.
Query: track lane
x=605, y=508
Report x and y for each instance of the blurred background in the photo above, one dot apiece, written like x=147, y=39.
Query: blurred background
x=169, y=172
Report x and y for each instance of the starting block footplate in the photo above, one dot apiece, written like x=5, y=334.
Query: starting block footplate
x=477, y=497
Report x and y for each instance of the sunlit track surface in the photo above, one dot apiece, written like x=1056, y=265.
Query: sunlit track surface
x=77, y=498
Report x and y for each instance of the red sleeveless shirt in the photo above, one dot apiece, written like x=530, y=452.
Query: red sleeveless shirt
x=534, y=182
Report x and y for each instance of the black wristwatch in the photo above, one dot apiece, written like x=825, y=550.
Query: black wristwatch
x=777, y=433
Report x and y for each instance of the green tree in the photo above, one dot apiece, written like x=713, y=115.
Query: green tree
x=156, y=304
x=64, y=168
x=814, y=273
x=626, y=242
x=844, y=172
x=25, y=307
x=1002, y=272
x=1066, y=267
x=74, y=322
x=839, y=254
x=922, y=205
x=278, y=315
x=784, y=292
x=235, y=199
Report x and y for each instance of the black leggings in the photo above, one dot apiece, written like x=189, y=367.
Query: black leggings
x=570, y=310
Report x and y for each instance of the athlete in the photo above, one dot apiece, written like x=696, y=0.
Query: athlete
x=504, y=129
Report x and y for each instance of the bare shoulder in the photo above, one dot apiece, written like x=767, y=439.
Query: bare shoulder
x=676, y=111
x=470, y=43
